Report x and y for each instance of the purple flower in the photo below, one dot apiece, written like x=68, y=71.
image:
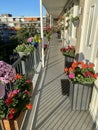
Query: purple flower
x=71, y=76
x=7, y=72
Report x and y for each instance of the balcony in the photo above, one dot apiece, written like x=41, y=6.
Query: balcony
x=51, y=104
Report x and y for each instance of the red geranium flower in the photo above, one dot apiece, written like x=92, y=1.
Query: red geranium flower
x=8, y=101
x=13, y=110
x=10, y=116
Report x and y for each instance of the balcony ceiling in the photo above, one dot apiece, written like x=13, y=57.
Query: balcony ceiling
x=54, y=7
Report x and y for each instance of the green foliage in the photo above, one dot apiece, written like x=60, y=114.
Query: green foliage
x=48, y=36
x=68, y=51
x=81, y=72
x=26, y=48
x=18, y=99
x=67, y=14
x=74, y=18
x=25, y=32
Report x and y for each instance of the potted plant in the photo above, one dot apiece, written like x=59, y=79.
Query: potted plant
x=75, y=20
x=82, y=77
x=69, y=53
x=48, y=36
x=67, y=14
x=13, y=106
x=34, y=41
x=68, y=23
x=24, y=49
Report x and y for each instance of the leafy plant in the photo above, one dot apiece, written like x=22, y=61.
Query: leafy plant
x=67, y=14
x=48, y=36
x=26, y=48
x=68, y=51
x=80, y=72
x=75, y=19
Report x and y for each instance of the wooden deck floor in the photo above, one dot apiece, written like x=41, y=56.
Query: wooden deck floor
x=54, y=108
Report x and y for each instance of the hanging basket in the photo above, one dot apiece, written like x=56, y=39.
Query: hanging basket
x=76, y=23
x=21, y=54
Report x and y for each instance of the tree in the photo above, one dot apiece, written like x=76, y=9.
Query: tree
x=24, y=33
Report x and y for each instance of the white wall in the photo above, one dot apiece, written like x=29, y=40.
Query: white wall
x=90, y=52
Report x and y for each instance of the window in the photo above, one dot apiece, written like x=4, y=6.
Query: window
x=90, y=25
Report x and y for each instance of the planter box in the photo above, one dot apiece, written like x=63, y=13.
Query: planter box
x=12, y=124
x=80, y=96
x=68, y=61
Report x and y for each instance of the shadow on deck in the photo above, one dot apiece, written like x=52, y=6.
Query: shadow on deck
x=54, y=109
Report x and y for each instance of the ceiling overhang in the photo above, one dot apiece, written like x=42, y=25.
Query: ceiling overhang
x=55, y=7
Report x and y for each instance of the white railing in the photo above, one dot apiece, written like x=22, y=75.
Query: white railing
x=27, y=64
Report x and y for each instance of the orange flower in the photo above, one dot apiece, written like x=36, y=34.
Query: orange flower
x=91, y=65
x=84, y=66
x=95, y=75
x=71, y=69
x=29, y=106
x=74, y=64
x=66, y=70
x=18, y=76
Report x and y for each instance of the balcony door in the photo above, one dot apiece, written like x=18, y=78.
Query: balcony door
x=90, y=25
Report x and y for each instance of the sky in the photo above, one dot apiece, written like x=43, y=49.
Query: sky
x=21, y=7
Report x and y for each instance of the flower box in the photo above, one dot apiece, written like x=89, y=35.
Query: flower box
x=69, y=53
x=12, y=124
x=82, y=76
x=80, y=96
x=68, y=61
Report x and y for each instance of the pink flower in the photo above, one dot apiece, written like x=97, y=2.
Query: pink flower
x=30, y=39
x=16, y=91
x=28, y=81
x=71, y=76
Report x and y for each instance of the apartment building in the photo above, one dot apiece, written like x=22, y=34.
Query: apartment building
x=10, y=24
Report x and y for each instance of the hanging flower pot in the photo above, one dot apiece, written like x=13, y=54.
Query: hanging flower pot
x=69, y=53
x=21, y=54
x=75, y=21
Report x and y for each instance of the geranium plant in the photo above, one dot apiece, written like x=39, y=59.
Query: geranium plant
x=17, y=100
x=45, y=46
x=68, y=51
x=81, y=72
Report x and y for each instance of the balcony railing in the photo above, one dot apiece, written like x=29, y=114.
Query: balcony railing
x=27, y=64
